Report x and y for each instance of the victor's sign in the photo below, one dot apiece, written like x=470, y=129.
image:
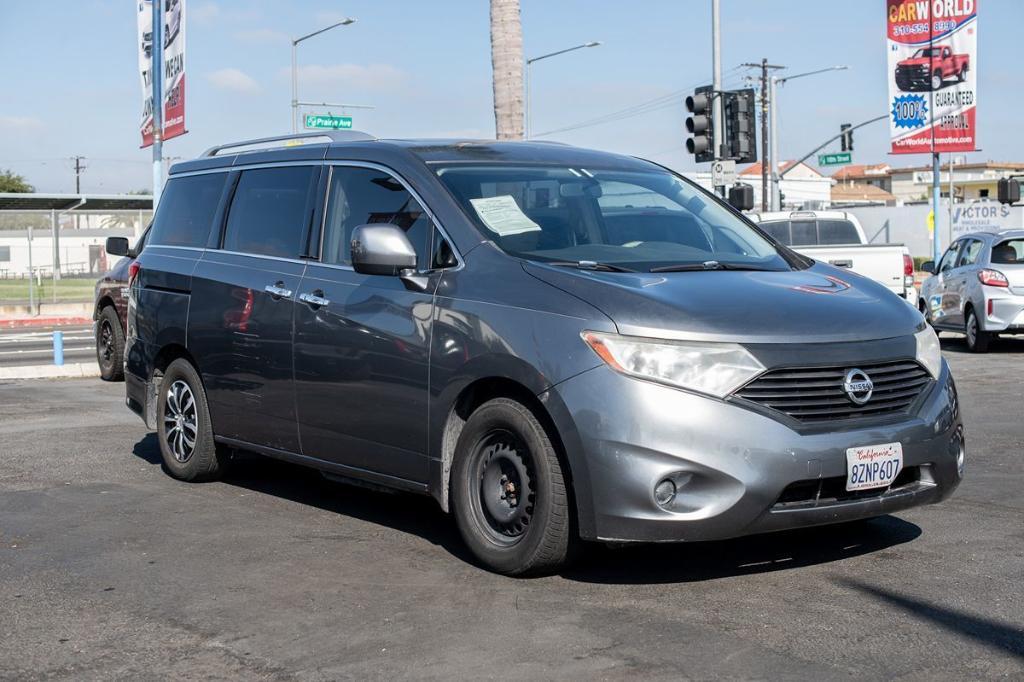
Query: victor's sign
x=933, y=67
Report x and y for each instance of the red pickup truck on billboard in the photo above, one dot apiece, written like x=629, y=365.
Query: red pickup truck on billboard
x=929, y=67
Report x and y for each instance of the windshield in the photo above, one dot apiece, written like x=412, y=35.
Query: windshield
x=1010, y=252
x=635, y=220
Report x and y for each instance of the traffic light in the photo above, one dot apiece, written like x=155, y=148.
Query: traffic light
x=699, y=124
x=1008, y=191
x=740, y=125
x=741, y=197
x=847, y=140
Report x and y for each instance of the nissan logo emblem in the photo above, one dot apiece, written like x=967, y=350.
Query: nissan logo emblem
x=858, y=386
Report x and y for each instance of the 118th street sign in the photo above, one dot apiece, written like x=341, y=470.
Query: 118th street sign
x=834, y=159
x=328, y=122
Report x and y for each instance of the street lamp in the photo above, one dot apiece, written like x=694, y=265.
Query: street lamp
x=529, y=62
x=773, y=114
x=295, y=71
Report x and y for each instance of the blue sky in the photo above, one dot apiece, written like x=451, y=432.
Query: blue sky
x=70, y=86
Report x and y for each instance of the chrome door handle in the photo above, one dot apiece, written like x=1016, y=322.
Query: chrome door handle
x=278, y=291
x=314, y=299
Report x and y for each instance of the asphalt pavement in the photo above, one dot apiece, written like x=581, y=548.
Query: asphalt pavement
x=110, y=569
x=34, y=345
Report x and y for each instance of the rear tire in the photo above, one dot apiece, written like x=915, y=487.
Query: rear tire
x=977, y=339
x=509, y=492
x=184, y=429
x=962, y=74
x=110, y=345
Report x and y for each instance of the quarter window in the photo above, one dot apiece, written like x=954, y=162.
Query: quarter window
x=361, y=196
x=270, y=211
x=186, y=210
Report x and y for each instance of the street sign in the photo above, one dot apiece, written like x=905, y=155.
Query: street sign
x=723, y=173
x=322, y=122
x=835, y=159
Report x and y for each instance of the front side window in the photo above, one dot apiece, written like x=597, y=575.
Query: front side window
x=270, y=211
x=186, y=210
x=626, y=219
x=361, y=196
x=1010, y=252
x=949, y=258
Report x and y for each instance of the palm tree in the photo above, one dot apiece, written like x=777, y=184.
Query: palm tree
x=507, y=65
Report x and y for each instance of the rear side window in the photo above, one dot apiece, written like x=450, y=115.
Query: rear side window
x=360, y=196
x=837, y=232
x=270, y=211
x=186, y=210
x=1010, y=252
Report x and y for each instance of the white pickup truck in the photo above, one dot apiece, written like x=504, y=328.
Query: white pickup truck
x=837, y=238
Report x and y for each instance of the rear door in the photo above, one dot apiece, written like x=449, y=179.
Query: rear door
x=942, y=303
x=243, y=302
x=956, y=280
x=362, y=341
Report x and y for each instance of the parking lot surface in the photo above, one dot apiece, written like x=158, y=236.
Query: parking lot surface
x=111, y=569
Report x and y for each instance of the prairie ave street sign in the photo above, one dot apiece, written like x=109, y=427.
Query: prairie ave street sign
x=834, y=159
x=328, y=122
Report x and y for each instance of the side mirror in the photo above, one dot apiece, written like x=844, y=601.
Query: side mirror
x=741, y=197
x=928, y=266
x=381, y=249
x=118, y=246
x=1008, y=191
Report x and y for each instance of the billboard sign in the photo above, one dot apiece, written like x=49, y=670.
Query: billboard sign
x=173, y=67
x=933, y=67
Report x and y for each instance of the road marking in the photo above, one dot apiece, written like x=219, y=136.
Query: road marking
x=46, y=350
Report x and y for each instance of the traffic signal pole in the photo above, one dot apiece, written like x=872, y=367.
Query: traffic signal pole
x=717, y=118
x=156, y=71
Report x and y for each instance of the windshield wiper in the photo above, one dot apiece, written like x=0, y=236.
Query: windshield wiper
x=588, y=265
x=709, y=265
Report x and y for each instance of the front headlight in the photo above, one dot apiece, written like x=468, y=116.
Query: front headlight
x=717, y=369
x=929, y=353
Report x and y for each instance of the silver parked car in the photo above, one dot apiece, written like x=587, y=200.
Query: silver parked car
x=978, y=287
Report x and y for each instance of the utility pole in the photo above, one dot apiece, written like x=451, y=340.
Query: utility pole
x=157, y=80
x=766, y=104
x=78, y=181
x=717, y=118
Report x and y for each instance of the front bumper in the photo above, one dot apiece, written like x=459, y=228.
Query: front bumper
x=737, y=471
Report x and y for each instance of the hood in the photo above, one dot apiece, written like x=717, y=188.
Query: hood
x=820, y=304
x=916, y=61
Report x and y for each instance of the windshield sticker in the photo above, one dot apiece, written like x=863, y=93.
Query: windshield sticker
x=502, y=215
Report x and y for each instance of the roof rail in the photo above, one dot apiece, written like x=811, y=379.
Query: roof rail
x=267, y=142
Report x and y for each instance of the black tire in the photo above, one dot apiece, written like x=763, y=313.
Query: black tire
x=181, y=412
x=977, y=339
x=110, y=345
x=509, y=492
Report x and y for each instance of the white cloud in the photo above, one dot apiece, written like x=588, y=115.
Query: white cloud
x=205, y=13
x=234, y=80
x=261, y=36
x=369, y=77
x=20, y=123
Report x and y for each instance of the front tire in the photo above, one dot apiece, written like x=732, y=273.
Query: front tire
x=509, y=492
x=184, y=428
x=110, y=345
x=977, y=339
x=937, y=80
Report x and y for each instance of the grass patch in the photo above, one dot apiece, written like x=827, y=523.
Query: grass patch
x=68, y=290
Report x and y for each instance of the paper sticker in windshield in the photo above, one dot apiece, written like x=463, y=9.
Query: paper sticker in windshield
x=503, y=215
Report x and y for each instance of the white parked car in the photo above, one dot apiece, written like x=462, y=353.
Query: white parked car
x=837, y=238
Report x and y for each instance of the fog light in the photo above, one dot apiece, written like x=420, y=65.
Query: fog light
x=665, y=492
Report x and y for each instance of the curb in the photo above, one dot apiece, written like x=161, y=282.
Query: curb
x=19, y=322
x=72, y=369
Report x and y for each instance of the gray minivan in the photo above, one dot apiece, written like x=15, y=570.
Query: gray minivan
x=556, y=344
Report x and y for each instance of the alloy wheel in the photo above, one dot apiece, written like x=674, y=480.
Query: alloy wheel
x=180, y=421
x=972, y=330
x=106, y=342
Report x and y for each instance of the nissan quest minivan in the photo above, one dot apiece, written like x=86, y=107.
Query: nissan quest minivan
x=556, y=344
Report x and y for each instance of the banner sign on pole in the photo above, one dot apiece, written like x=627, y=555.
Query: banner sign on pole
x=933, y=67
x=173, y=66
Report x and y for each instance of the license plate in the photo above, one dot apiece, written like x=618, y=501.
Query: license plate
x=873, y=466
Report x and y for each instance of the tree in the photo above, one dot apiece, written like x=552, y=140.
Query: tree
x=507, y=67
x=12, y=182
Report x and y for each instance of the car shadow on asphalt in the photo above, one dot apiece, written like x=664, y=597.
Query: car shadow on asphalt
x=700, y=561
x=406, y=512
x=955, y=343
x=996, y=634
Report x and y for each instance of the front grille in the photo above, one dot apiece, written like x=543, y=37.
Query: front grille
x=826, y=491
x=816, y=394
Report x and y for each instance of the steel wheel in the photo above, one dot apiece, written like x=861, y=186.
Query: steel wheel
x=503, y=466
x=180, y=421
